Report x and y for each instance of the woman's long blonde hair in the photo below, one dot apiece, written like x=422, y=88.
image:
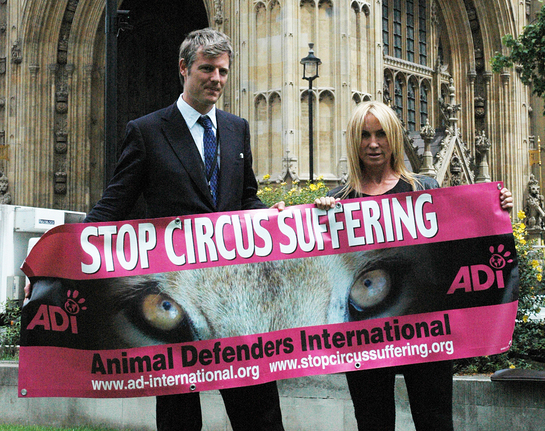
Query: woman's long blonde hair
x=394, y=133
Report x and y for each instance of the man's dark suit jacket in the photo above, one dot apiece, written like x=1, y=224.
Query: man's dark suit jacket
x=161, y=161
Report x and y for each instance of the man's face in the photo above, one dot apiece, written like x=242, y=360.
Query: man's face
x=204, y=82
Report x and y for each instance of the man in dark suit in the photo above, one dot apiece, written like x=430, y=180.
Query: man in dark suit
x=164, y=160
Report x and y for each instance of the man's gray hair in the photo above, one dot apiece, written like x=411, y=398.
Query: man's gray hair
x=213, y=42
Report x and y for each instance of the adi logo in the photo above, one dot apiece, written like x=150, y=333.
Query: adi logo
x=481, y=277
x=55, y=318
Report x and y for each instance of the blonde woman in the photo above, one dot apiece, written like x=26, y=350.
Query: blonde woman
x=376, y=166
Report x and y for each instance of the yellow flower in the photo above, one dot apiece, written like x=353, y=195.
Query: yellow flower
x=521, y=215
x=320, y=178
x=283, y=183
x=512, y=367
x=267, y=189
x=313, y=187
x=525, y=318
x=534, y=263
x=266, y=177
x=538, y=276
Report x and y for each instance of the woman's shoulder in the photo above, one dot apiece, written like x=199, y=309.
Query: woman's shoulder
x=424, y=182
x=337, y=192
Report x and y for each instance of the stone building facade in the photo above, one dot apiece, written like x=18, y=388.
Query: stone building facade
x=430, y=59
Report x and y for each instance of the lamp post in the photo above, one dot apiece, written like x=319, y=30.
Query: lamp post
x=310, y=73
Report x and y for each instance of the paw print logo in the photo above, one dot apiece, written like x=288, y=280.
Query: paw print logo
x=73, y=305
x=499, y=258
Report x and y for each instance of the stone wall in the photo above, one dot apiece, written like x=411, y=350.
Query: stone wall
x=310, y=403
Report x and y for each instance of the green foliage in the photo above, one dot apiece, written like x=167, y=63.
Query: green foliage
x=527, y=53
x=294, y=195
x=9, y=334
x=528, y=348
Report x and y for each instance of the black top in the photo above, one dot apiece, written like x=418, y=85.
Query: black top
x=402, y=186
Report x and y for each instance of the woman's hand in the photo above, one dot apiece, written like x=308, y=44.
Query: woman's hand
x=279, y=206
x=506, y=199
x=326, y=203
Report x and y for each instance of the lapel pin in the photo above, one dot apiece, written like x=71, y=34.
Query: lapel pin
x=241, y=156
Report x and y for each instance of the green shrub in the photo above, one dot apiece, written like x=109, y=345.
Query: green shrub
x=10, y=332
x=528, y=348
x=291, y=195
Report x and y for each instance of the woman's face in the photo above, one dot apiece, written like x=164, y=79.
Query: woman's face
x=375, y=150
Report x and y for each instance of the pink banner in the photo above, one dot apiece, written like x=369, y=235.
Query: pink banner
x=411, y=278
x=104, y=250
x=254, y=359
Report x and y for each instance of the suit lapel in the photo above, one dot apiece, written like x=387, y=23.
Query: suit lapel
x=179, y=138
x=227, y=141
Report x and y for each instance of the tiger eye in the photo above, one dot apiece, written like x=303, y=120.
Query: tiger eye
x=161, y=312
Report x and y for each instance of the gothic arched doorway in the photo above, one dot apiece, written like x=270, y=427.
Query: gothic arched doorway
x=147, y=76
x=147, y=61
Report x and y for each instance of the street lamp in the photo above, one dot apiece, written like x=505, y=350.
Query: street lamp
x=310, y=73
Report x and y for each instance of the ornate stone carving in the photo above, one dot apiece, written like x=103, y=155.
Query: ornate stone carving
x=70, y=10
x=427, y=133
x=450, y=109
x=455, y=171
x=479, y=59
x=361, y=6
x=16, y=53
x=218, y=11
x=62, y=51
x=535, y=214
x=480, y=110
x=482, y=145
x=61, y=97
x=5, y=196
x=61, y=142
x=289, y=167
x=60, y=183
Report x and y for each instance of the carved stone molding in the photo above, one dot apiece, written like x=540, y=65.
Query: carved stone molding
x=455, y=171
x=61, y=142
x=61, y=100
x=60, y=183
x=480, y=107
x=534, y=206
x=17, y=53
x=427, y=133
x=218, y=12
x=482, y=145
x=5, y=196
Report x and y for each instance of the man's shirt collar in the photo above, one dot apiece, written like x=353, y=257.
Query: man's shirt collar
x=191, y=115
